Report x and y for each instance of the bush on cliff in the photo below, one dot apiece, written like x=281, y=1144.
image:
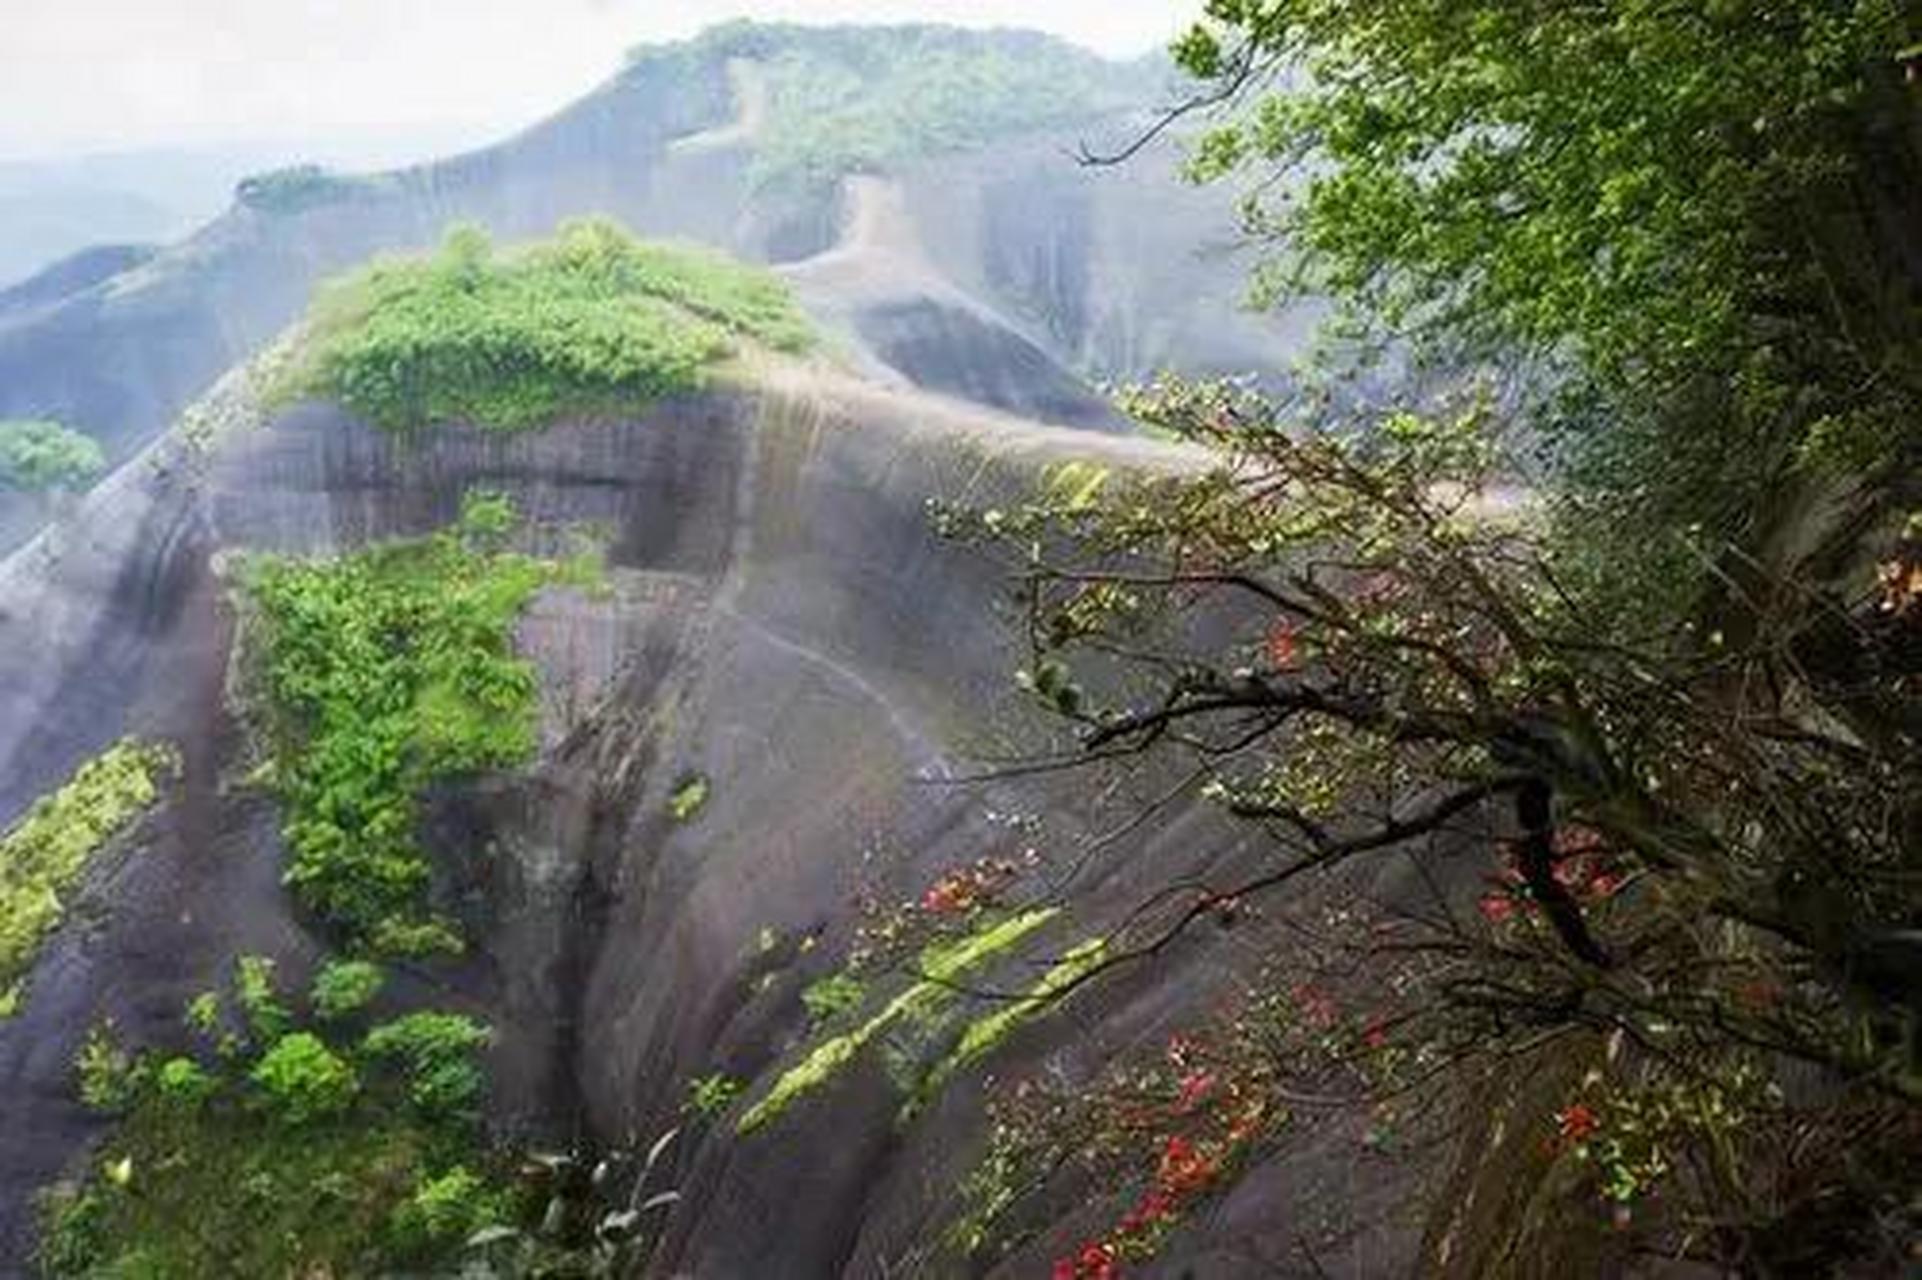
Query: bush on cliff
x=591, y=322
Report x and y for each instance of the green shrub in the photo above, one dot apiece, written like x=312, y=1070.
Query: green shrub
x=107, y=1074
x=38, y=456
x=184, y=1082
x=304, y=1079
x=448, y=1209
x=834, y=995
x=711, y=1095
x=486, y=518
x=44, y=854
x=438, y=1052
x=267, y=1017
x=689, y=798
x=386, y=670
x=344, y=988
x=415, y=939
x=202, y=1013
x=591, y=322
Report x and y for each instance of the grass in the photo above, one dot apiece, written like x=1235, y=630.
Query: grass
x=987, y=1033
x=592, y=322
x=45, y=853
x=284, y=1155
x=941, y=967
x=385, y=670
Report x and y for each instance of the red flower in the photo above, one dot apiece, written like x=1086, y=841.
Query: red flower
x=1496, y=908
x=1097, y=1262
x=1284, y=651
x=1154, y=1208
x=1606, y=884
x=1375, y=1036
x=950, y=896
x=1577, y=1122
x=1184, y=1169
x=1575, y=838
x=1195, y=1088
x=1316, y=1005
x=1570, y=872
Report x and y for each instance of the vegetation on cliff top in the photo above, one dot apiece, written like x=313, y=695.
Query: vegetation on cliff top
x=591, y=322
x=845, y=100
x=298, y=188
x=43, y=856
x=385, y=670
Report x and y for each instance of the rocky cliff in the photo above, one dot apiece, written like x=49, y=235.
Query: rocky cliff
x=779, y=621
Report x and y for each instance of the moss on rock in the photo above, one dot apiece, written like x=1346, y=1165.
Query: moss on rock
x=45, y=853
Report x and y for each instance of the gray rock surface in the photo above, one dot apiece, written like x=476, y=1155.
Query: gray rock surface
x=782, y=621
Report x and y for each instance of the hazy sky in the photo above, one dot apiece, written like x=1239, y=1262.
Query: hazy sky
x=113, y=74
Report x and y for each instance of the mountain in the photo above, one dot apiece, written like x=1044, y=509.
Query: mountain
x=56, y=206
x=755, y=723
x=958, y=144
x=742, y=898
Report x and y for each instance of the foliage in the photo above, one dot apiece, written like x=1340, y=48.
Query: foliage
x=385, y=670
x=184, y=1082
x=843, y=100
x=437, y=1052
x=1161, y=1131
x=689, y=798
x=304, y=1079
x=105, y=1071
x=295, y=1156
x=344, y=988
x=1681, y=213
x=299, y=188
x=38, y=456
x=832, y=996
x=941, y=965
x=582, y=1231
x=254, y=990
x=448, y=1210
x=987, y=1033
x=710, y=1095
x=1696, y=851
x=865, y=101
x=590, y=322
x=44, y=854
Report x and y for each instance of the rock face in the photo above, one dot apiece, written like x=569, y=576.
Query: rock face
x=782, y=622
x=1037, y=275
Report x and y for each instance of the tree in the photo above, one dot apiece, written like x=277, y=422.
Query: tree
x=43, y=457
x=1684, y=867
x=1691, y=223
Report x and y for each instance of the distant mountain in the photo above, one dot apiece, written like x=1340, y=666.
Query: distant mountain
x=51, y=208
x=917, y=181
